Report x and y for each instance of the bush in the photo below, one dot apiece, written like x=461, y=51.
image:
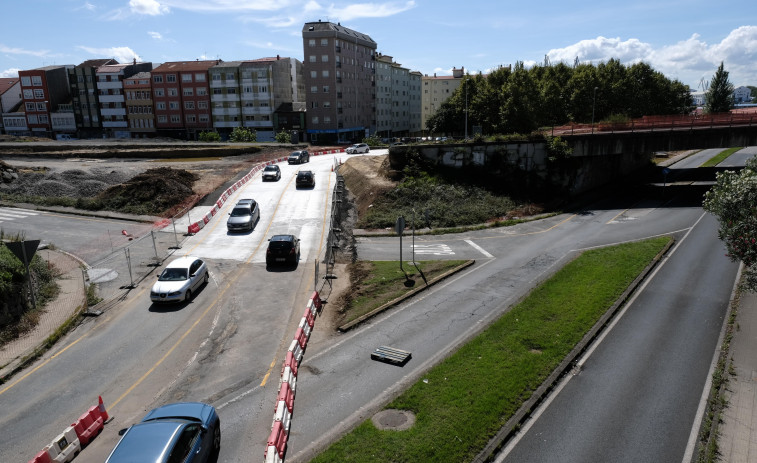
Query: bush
x=243, y=135
x=209, y=136
x=284, y=137
x=372, y=141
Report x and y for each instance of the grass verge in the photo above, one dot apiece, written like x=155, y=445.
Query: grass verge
x=722, y=156
x=486, y=381
x=379, y=282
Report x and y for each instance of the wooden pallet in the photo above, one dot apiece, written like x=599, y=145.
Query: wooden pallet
x=391, y=355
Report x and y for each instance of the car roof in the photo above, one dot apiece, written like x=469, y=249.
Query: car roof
x=182, y=262
x=184, y=410
x=271, y=167
x=148, y=442
x=305, y=172
x=244, y=201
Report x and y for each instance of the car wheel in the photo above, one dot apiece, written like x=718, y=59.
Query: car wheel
x=207, y=277
x=217, y=437
x=188, y=296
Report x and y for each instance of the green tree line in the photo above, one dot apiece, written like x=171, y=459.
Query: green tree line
x=520, y=100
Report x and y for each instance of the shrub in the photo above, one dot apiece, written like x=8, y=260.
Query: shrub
x=243, y=135
x=208, y=136
x=283, y=137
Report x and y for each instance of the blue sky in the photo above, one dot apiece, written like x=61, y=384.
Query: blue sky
x=685, y=40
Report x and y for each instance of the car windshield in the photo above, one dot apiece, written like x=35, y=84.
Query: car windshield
x=173, y=274
x=270, y=168
x=240, y=212
x=295, y=154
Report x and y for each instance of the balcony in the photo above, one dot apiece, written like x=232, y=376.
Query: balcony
x=224, y=83
x=225, y=97
x=115, y=124
x=109, y=85
x=251, y=111
x=111, y=98
x=107, y=112
x=226, y=111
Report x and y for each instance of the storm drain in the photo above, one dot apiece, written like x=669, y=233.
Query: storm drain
x=391, y=355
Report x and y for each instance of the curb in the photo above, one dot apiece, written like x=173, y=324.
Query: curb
x=348, y=326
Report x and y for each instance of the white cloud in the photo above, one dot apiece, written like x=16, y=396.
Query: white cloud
x=155, y=35
x=21, y=51
x=12, y=72
x=688, y=61
x=120, y=54
x=369, y=10
x=148, y=7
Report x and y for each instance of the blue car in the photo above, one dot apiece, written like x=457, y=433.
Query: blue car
x=179, y=432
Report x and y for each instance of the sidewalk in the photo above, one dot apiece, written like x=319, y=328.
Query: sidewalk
x=69, y=299
x=738, y=431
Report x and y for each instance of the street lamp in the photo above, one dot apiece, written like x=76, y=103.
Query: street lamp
x=593, y=105
x=466, y=108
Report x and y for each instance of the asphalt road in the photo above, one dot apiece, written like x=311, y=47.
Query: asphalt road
x=226, y=347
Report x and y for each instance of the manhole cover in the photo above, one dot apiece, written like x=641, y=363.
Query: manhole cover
x=394, y=420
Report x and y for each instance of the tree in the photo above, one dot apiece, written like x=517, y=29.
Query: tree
x=733, y=200
x=243, y=135
x=283, y=137
x=719, y=98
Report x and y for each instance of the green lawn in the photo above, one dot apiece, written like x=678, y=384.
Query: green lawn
x=720, y=157
x=464, y=401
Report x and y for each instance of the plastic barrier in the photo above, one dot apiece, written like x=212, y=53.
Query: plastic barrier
x=65, y=447
x=277, y=441
x=41, y=457
x=282, y=415
x=89, y=425
x=286, y=394
x=309, y=318
x=296, y=350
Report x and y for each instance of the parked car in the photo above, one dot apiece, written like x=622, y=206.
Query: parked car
x=282, y=249
x=299, y=157
x=179, y=432
x=179, y=280
x=358, y=148
x=244, y=216
x=305, y=178
x=271, y=172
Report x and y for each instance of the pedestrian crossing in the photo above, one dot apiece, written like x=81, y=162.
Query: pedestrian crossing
x=8, y=214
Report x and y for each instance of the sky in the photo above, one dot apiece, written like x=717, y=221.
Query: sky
x=685, y=40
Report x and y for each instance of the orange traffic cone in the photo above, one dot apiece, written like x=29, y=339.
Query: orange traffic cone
x=101, y=408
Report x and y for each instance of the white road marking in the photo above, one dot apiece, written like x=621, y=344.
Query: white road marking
x=434, y=249
x=479, y=248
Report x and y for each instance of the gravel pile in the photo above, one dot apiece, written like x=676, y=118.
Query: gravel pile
x=73, y=183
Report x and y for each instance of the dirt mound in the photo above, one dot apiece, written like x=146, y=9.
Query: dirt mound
x=366, y=178
x=153, y=191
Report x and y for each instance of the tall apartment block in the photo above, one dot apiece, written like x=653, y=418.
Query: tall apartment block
x=250, y=93
x=85, y=96
x=110, y=91
x=339, y=69
x=436, y=90
x=397, y=99
x=181, y=95
x=139, y=106
x=43, y=90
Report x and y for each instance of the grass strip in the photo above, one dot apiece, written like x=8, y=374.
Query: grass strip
x=463, y=402
x=720, y=157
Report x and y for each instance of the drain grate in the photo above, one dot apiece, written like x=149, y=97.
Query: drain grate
x=391, y=355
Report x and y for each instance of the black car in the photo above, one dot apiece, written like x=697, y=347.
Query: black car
x=282, y=249
x=271, y=172
x=298, y=157
x=305, y=178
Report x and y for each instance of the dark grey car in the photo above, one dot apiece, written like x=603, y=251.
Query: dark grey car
x=244, y=216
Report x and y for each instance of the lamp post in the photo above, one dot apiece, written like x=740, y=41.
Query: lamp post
x=466, y=108
x=593, y=105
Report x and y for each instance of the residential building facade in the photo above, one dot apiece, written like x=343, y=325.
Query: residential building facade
x=436, y=90
x=110, y=93
x=85, y=96
x=42, y=90
x=139, y=106
x=10, y=97
x=339, y=71
x=181, y=95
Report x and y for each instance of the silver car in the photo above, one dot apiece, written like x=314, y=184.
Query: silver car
x=244, y=216
x=358, y=148
x=180, y=280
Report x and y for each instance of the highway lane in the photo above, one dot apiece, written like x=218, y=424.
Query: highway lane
x=222, y=348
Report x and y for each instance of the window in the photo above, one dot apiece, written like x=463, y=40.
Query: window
x=217, y=91
x=161, y=105
x=173, y=92
x=325, y=89
x=326, y=104
x=311, y=42
x=263, y=89
x=202, y=105
x=311, y=58
x=314, y=89
x=39, y=93
x=188, y=92
x=173, y=105
x=229, y=76
x=216, y=77
x=191, y=118
x=26, y=81
x=186, y=77
x=41, y=107
x=231, y=91
x=324, y=58
x=157, y=79
x=324, y=42
x=163, y=119
x=315, y=120
x=30, y=106
x=175, y=118
x=159, y=92
x=326, y=119
x=28, y=94
x=202, y=91
x=43, y=119
x=171, y=78
x=199, y=77
x=203, y=118
x=313, y=74
x=325, y=74
x=189, y=105
x=32, y=118
x=248, y=89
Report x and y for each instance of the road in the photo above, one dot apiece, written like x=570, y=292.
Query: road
x=227, y=345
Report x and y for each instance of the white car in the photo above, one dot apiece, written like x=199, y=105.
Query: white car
x=358, y=148
x=179, y=280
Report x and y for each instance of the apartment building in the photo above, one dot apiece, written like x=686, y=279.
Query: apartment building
x=248, y=93
x=85, y=96
x=139, y=106
x=110, y=93
x=181, y=95
x=42, y=91
x=436, y=90
x=417, y=126
x=10, y=97
x=339, y=70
